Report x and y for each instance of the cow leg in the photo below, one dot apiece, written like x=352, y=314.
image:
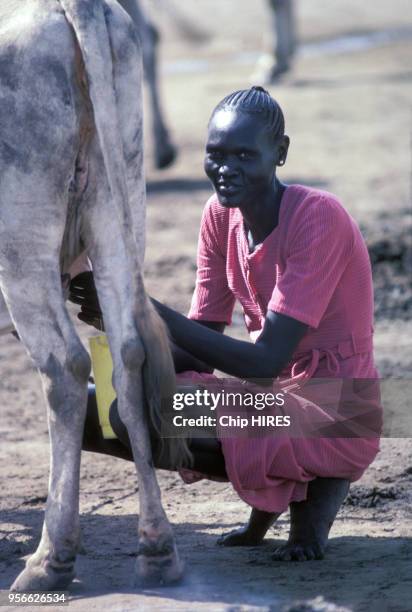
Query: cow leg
x=157, y=560
x=35, y=301
x=165, y=151
x=41, y=128
x=123, y=300
x=283, y=25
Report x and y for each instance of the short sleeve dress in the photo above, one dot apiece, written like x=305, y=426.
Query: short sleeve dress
x=314, y=267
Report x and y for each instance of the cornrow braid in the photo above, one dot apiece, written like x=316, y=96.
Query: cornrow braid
x=256, y=100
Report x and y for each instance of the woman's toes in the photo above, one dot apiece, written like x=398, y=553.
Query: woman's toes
x=238, y=537
x=318, y=552
x=282, y=553
x=233, y=538
x=298, y=552
x=310, y=554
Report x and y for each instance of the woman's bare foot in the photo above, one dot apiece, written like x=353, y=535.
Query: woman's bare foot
x=239, y=537
x=311, y=520
x=252, y=533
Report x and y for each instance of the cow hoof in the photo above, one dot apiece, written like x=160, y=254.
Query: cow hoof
x=40, y=578
x=166, y=156
x=156, y=567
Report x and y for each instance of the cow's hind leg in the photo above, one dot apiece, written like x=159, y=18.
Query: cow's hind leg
x=157, y=561
x=36, y=304
x=39, y=128
x=126, y=312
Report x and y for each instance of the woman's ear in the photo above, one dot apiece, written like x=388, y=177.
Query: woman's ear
x=282, y=150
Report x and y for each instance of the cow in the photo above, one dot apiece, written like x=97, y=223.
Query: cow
x=272, y=67
x=284, y=28
x=71, y=179
x=164, y=149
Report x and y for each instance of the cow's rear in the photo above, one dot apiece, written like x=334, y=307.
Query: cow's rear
x=71, y=149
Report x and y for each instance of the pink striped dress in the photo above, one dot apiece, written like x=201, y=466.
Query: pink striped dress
x=314, y=267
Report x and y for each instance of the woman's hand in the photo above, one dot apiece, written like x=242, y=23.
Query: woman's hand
x=83, y=292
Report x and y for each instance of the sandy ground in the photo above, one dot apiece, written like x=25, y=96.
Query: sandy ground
x=348, y=115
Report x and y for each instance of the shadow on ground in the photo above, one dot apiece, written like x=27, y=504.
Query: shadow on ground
x=212, y=573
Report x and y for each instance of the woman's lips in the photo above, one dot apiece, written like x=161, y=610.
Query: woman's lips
x=227, y=188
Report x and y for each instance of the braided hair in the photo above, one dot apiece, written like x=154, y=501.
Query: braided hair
x=256, y=101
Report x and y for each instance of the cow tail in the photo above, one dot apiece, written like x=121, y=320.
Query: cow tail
x=159, y=386
x=88, y=21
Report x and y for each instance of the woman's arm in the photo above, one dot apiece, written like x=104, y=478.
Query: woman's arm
x=263, y=360
x=83, y=292
x=202, y=345
x=185, y=361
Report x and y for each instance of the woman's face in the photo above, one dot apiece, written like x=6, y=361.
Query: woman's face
x=241, y=156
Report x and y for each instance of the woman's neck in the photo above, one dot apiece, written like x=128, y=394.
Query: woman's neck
x=261, y=218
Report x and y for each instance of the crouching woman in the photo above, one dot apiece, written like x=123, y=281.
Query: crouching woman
x=296, y=262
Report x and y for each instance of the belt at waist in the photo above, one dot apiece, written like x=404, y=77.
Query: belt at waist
x=305, y=364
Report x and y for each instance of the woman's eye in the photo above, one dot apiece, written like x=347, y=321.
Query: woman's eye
x=244, y=155
x=215, y=155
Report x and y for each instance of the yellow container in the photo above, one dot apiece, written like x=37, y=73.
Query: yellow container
x=102, y=365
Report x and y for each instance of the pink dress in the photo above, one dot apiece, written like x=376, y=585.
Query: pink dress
x=314, y=267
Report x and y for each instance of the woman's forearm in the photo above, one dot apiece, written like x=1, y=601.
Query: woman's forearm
x=234, y=357
x=186, y=361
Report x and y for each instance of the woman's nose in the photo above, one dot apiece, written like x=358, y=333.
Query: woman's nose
x=226, y=169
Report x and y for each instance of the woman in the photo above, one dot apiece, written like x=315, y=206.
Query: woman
x=297, y=263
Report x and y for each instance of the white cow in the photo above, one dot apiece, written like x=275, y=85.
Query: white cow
x=71, y=178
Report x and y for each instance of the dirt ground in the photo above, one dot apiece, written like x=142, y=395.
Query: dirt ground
x=348, y=115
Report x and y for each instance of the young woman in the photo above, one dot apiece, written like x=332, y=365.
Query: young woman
x=297, y=263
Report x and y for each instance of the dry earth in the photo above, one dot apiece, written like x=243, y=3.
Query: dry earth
x=348, y=115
